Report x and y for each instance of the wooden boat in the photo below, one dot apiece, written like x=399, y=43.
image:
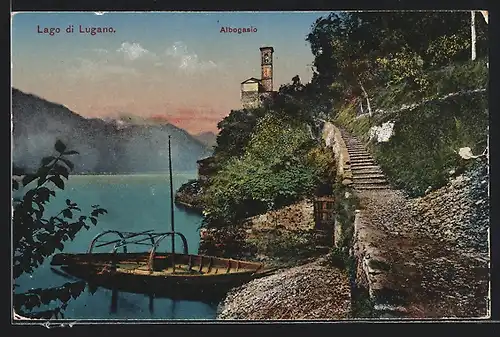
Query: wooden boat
x=181, y=276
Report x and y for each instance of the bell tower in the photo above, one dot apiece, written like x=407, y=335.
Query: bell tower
x=266, y=64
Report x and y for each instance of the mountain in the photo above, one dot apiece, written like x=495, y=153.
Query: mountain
x=207, y=138
x=111, y=146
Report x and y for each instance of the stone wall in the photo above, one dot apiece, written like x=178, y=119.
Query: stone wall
x=250, y=99
x=333, y=138
x=298, y=216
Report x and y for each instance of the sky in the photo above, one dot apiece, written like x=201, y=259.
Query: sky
x=177, y=67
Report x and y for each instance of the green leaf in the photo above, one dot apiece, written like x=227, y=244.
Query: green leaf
x=67, y=214
x=28, y=179
x=61, y=171
x=70, y=165
x=69, y=153
x=59, y=146
x=59, y=245
x=57, y=181
x=47, y=160
x=94, y=220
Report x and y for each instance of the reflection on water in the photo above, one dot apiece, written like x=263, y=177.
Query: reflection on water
x=134, y=203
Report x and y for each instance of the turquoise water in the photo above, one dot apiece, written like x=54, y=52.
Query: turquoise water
x=134, y=203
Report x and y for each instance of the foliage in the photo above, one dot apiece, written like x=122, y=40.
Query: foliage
x=322, y=160
x=459, y=76
x=286, y=247
x=271, y=173
x=370, y=49
x=34, y=236
x=301, y=102
x=414, y=160
x=456, y=77
x=226, y=243
x=235, y=132
x=359, y=126
x=279, y=137
x=346, y=203
x=24, y=303
x=404, y=67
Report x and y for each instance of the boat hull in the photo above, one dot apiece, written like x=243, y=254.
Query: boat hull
x=202, y=283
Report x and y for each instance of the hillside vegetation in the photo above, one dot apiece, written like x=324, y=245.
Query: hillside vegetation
x=412, y=70
x=274, y=163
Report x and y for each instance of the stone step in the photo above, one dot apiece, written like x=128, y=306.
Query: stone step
x=365, y=169
x=357, y=151
x=356, y=164
x=369, y=181
x=360, y=156
x=372, y=187
x=365, y=166
x=369, y=175
x=359, y=160
x=374, y=173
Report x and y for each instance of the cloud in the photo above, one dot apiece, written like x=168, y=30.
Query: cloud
x=98, y=70
x=133, y=51
x=188, y=61
x=99, y=13
x=100, y=51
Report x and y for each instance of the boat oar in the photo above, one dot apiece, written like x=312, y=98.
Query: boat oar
x=266, y=272
x=63, y=274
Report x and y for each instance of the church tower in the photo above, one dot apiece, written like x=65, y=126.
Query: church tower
x=266, y=64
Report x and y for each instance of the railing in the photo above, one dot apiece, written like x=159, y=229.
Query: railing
x=148, y=238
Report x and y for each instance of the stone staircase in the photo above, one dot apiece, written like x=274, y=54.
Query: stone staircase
x=366, y=174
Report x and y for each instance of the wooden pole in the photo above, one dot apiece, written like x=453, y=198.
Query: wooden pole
x=172, y=226
x=473, y=34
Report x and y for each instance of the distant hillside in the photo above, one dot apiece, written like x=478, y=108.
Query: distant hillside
x=104, y=146
x=207, y=138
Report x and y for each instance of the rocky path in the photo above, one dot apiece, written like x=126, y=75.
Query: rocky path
x=312, y=291
x=410, y=264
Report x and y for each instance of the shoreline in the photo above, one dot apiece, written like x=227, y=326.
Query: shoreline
x=152, y=174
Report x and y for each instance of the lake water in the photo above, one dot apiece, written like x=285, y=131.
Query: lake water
x=134, y=203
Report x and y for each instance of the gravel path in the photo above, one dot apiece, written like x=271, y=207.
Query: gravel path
x=312, y=291
x=422, y=270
